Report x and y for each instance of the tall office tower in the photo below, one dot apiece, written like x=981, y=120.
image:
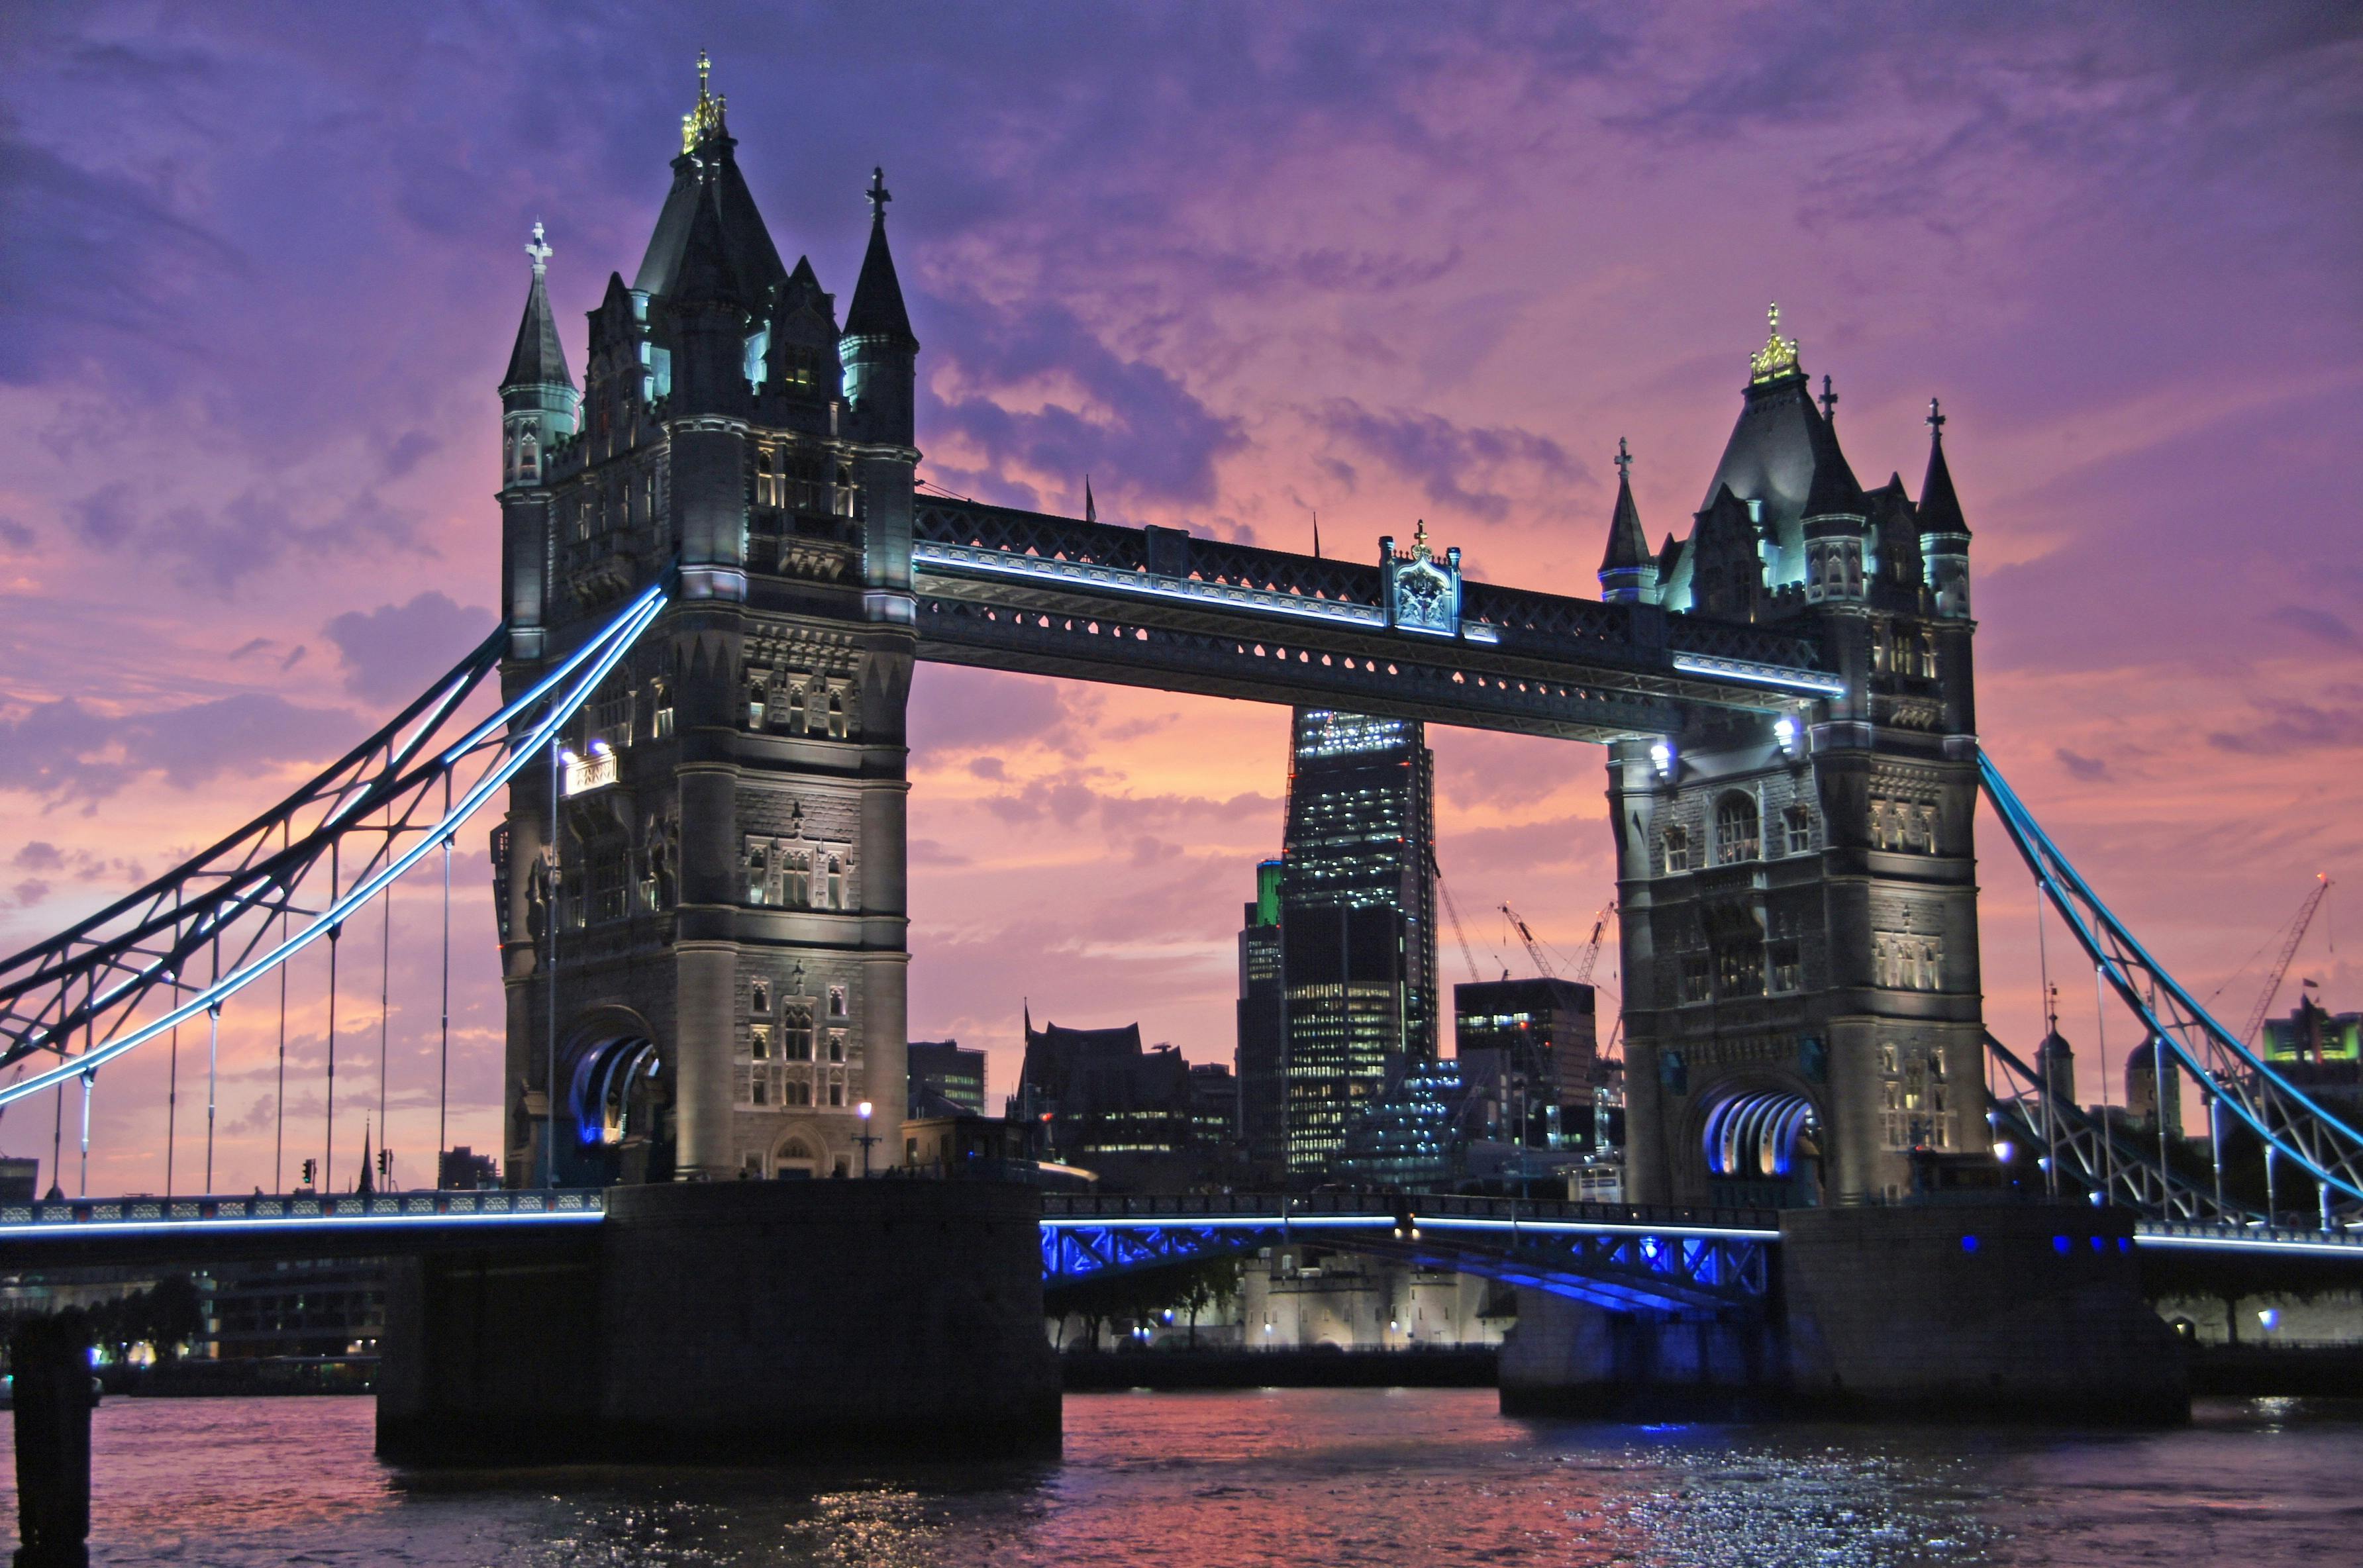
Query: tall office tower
x=1264, y=1029
x=1357, y=916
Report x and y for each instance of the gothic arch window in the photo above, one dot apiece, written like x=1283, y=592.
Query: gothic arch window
x=758, y=871
x=758, y=997
x=529, y=458
x=1737, y=832
x=796, y=710
x=799, y=879
x=1677, y=842
x=835, y=888
x=796, y=1030
x=836, y=716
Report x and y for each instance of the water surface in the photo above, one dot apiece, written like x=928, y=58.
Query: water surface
x=1208, y=1480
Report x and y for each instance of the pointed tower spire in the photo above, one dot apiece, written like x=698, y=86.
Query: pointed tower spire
x=1944, y=532
x=539, y=407
x=1628, y=572
x=1091, y=507
x=881, y=374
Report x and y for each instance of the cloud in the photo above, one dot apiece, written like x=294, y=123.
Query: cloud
x=30, y=891
x=2319, y=623
x=1128, y=422
x=1459, y=467
x=956, y=709
x=251, y=645
x=219, y=545
x=67, y=751
x=40, y=856
x=391, y=653
x=15, y=536
x=2290, y=726
x=2091, y=769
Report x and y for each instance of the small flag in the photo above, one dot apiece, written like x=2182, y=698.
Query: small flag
x=2310, y=985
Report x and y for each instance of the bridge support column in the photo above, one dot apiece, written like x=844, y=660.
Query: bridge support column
x=2012, y=1312
x=51, y=1363
x=734, y=1322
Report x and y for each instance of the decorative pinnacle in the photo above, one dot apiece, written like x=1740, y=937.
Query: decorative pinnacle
x=1779, y=355
x=1829, y=402
x=1419, y=540
x=1623, y=461
x=879, y=195
x=706, y=119
x=538, y=250
x=1936, y=422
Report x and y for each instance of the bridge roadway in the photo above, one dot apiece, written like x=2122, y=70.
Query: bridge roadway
x=1617, y=1256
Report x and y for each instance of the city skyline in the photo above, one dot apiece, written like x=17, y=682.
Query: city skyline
x=1538, y=303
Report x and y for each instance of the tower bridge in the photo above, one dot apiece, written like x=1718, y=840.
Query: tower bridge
x=718, y=573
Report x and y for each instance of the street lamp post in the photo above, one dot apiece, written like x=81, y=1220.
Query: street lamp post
x=866, y=1138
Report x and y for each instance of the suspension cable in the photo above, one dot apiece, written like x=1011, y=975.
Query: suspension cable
x=443, y=1064
x=384, y=986
x=328, y=1155
x=279, y=1138
x=213, y=1063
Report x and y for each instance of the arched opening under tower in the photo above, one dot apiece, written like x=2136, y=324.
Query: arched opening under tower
x=620, y=1112
x=1763, y=1147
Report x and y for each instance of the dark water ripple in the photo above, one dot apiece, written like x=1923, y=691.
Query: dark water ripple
x=1350, y=1477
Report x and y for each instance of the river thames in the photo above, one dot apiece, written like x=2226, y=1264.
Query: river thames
x=1306, y=1475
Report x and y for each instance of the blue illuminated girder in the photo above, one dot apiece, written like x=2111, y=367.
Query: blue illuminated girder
x=2234, y=1079
x=1623, y=1258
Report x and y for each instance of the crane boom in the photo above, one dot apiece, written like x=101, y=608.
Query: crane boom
x=1534, y=947
x=1452, y=909
x=1591, y=949
x=2288, y=952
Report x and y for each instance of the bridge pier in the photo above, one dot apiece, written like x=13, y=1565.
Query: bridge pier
x=1987, y=1311
x=736, y=1322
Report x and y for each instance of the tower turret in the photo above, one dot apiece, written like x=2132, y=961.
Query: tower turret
x=1944, y=534
x=538, y=405
x=539, y=410
x=1628, y=572
x=1833, y=520
x=881, y=370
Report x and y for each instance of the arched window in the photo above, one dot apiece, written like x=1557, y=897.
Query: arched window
x=529, y=459
x=836, y=883
x=796, y=710
x=1737, y=833
x=836, y=716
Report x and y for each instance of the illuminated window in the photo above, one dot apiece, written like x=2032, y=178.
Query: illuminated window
x=796, y=1030
x=837, y=1001
x=758, y=871
x=759, y=1041
x=1678, y=849
x=758, y=997
x=1736, y=837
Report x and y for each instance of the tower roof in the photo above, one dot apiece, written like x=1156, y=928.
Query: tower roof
x=539, y=358
x=1835, y=489
x=877, y=309
x=708, y=169
x=1781, y=449
x=705, y=272
x=1940, y=509
x=1628, y=544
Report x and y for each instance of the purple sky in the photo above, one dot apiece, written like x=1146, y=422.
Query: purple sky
x=1240, y=263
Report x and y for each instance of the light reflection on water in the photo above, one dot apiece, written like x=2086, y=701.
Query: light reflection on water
x=1414, y=1477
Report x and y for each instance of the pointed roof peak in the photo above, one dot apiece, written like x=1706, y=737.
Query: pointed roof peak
x=1940, y=508
x=540, y=356
x=1836, y=492
x=1628, y=543
x=1778, y=357
x=877, y=310
x=704, y=274
x=705, y=122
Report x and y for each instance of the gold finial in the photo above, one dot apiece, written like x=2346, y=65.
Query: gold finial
x=539, y=249
x=705, y=120
x=1779, y=355
x=1419, y=540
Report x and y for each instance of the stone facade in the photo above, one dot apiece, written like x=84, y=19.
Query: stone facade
x=1797, y=891
x=722, y=892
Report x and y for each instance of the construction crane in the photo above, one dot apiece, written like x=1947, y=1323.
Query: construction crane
x=2288, y=952
x=1533, y=945
x=1452, y=909
x=1591, y=958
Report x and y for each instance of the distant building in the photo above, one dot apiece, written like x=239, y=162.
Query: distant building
x=20, y=1180
x=2142, y=1088
x=1214, y=1106
x=1094, y=1097
x=1413, y=1139
x=1264, y=1029
x=461, y=1169
x=2319, y=1050
x=942, y=1067
x=1546, y=1033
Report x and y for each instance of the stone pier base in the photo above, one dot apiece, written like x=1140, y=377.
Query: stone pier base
x=754, y=1322
x=2004, y=1311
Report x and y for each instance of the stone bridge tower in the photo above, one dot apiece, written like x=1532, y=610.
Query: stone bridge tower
x=1803, y=1005
x=707, y=942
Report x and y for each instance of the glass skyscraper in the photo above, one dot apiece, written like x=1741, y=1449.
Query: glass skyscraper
x=1355, y=937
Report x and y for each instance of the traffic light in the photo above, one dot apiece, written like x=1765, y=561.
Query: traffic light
x=309, y=1166
x=384, y=1163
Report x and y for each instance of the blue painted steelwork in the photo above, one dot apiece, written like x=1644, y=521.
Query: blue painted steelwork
x=1624, y=1259
x=2233, y=1079
x=1756, y=1135
x=79, y=997
x=297, y=1213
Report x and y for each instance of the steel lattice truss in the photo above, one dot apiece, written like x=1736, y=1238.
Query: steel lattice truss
x=182, y=945
x=2236, y=1081
x=2095, y=1159
x=1620, y=1258
x=1158, y=607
